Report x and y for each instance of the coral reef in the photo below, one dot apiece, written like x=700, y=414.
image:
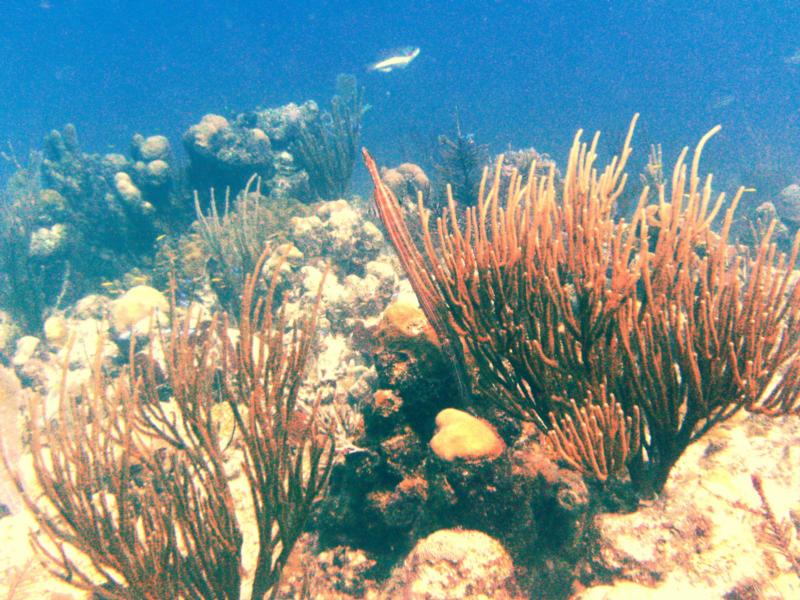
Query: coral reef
x=72, y=220
x=406, y=181
x=337, y=231
x=121, y=203
x=327, y=148
x=657, y=327
x=224, y=244
x=560, y=351
x=298, y=151
x=399, y=482
x=224, y=154
x=224, y=247
x=144, y=500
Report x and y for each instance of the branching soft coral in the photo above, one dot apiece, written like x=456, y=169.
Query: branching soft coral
x=648, y=331
x=136, y=499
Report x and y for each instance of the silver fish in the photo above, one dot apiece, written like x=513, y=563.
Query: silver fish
x=794, y=59
x=399, y=59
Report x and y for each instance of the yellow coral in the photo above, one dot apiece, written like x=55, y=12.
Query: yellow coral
x=460, y=435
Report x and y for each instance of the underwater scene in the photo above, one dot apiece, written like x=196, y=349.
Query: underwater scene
x=420, y=300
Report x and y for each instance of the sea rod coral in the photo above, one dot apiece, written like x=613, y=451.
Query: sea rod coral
x=623, y=341
x=136, y=475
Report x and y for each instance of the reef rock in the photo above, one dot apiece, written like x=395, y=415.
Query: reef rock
x=788, y=203
x=281, y=124
x=223, y=155
x=340, y=233
x=154, y=147
x=353, y=300
x=394, y=486
x=706, y=534
x=409, y=360
x=453, y=564
x=137, y=305
x=46, y=242
x=91, y=336
x=11, y=401
x=406, y=181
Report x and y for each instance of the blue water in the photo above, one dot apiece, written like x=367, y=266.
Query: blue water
x=520, y=73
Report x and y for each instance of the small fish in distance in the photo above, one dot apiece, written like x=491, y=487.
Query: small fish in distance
x=397, y=59
x=793, y=59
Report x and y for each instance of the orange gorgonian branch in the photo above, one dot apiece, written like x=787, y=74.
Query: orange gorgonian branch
x=542, y=297
x=136, y=495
